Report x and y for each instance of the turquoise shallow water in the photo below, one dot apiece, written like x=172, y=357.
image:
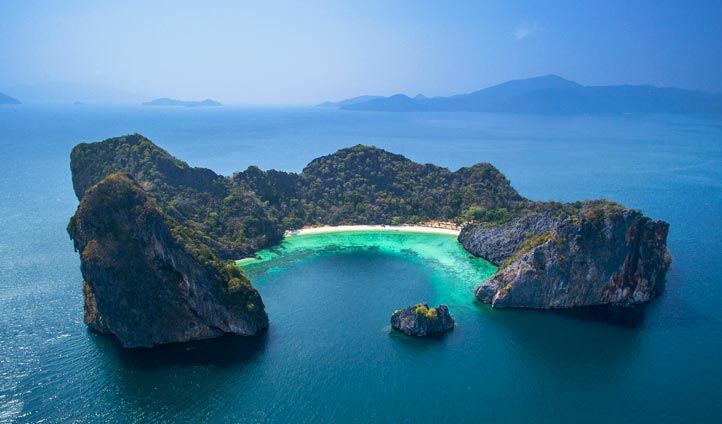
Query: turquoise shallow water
x=451, y=271
x=328, y=355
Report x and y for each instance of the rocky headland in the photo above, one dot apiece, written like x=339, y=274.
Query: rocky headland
x=157, y=237
x=143, y=284
x=421, y=320
x=565, y=256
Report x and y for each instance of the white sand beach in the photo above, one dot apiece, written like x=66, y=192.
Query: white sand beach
x=400, y=228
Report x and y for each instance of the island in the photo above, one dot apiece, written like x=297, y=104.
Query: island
x=158, y=239
x=164, y=101
x=552, y=94
x=7, y=100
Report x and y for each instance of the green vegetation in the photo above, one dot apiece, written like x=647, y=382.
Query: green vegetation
x=233, y=217
x=366, y=185
x=429, y=313
x=212, y=216
x=490, y=217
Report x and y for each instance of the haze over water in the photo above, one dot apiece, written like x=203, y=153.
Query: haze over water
x=328, y=355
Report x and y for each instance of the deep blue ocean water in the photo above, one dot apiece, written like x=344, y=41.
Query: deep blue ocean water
x=327, y=356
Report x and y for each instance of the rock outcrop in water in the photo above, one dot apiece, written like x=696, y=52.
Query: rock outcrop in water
x=421, y=320
x=143, y=283
x=564, y=256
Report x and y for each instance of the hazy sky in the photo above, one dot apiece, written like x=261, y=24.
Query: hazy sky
x=277, y=52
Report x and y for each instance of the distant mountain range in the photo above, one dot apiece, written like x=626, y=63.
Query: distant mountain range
x=7, y=100
x=164, y=101
x=549, y=94
x=349, y=102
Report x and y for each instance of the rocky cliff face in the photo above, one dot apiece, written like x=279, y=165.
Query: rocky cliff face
x=143, y=283
x=564, y=256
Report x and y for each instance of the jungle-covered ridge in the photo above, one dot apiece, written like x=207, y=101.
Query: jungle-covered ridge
x=229, y=217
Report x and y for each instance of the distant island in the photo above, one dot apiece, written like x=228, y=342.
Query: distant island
x=7, y=100
x=64, y=93
x=550, y=94
x=349, y=102
x=158, y=239
x=164, y=101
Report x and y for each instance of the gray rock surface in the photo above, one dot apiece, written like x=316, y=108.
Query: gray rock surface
x=498, y=243
x=592, y=253
x=421, y=320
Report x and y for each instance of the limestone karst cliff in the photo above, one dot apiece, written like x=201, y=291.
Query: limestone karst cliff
x=563, y=256
x=143, y=283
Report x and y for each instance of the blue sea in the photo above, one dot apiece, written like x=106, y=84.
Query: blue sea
x=328, y=355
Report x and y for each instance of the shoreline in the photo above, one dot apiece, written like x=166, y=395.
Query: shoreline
x=360, y=228
x=441, y=228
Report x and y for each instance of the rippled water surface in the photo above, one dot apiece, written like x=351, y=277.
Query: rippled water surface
x=328, y=355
